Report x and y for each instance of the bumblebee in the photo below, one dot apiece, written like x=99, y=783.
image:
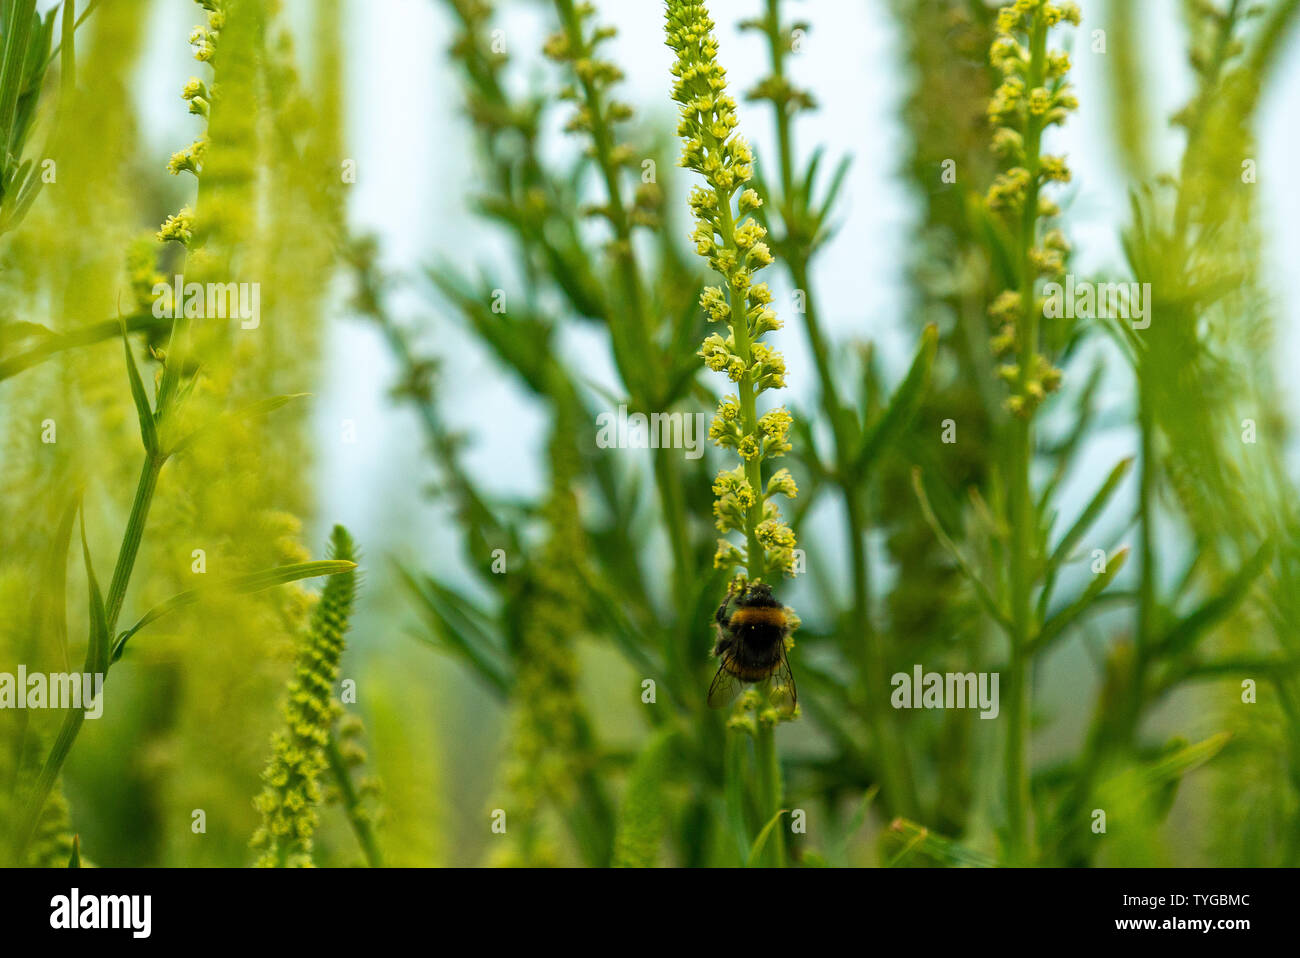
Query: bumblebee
x=751, y=644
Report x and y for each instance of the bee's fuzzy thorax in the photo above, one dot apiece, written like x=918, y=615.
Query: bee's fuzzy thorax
x=759, y=615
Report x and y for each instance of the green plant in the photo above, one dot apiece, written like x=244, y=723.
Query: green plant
x=982, y=536
x=358, y=796
x=735, y=250
x=28, y=49
x=305, y=748
x=183, y=423
x=105, y=644
x=1034, y=96
x=962, y=503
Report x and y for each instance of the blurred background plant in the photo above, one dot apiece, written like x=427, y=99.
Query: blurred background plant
x=215, y=504
x=568, y=587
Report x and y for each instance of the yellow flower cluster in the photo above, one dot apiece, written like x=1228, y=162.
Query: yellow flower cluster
x=204, y=39
x=1034, y=95
x=733, y=243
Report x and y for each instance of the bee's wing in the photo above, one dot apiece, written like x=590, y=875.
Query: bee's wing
x=783, y=690
x=724, y=688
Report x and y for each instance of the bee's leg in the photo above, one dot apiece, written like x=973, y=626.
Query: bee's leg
x=721, y=615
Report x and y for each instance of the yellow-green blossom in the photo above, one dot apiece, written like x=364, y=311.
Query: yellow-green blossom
x=288, y=802
x=734, y=244
x=178, y=227
x=1034, y=95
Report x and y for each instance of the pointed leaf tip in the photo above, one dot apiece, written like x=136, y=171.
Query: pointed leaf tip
x=148, y=425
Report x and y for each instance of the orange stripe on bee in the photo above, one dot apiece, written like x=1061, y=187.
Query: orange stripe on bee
x=759, y=615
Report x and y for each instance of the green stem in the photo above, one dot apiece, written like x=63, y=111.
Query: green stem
x=1146, y=611
x=1020, y=495
x=900, y=791
x=132, y=538
x=352, y=804
x=748, y=400
x=740, y=814
x=1017, y=779
x=642, y=379
x=769, y=771
x=769, y=786
x=603, y=141
x=784, y=137
x=73, y=719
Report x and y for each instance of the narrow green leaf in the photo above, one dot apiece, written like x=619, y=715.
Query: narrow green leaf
x=1139, y=782
x=1090, y=513
x=22, y=191
x=97, y=646
x=756, y=850
x=53, y=612
x=805, y=188
x=22, y=14
x=625, y=633
x=148, y=426
x=67, y=52
x=1187, y=631
x=840, y=855
x=75, y=860
x=18, y=330
x=1061, y=554
x=1055, y=626
x=238, y=585
x=72, y=722
x=27, y=187
x=902, y=405
x=1064, y=453
x=1269, y=667
x=941, y=850
x=58, y=49
x=86, y=335
x=96, y=663
x=462, y=629
x=833, y=191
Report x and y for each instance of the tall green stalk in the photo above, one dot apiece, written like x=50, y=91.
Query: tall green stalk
x=96, y=662
x=735, y=250
x=1033, y=96
x=803, y=234
x=643, y=371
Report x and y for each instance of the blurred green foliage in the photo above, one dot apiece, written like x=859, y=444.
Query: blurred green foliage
x=581, y=639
